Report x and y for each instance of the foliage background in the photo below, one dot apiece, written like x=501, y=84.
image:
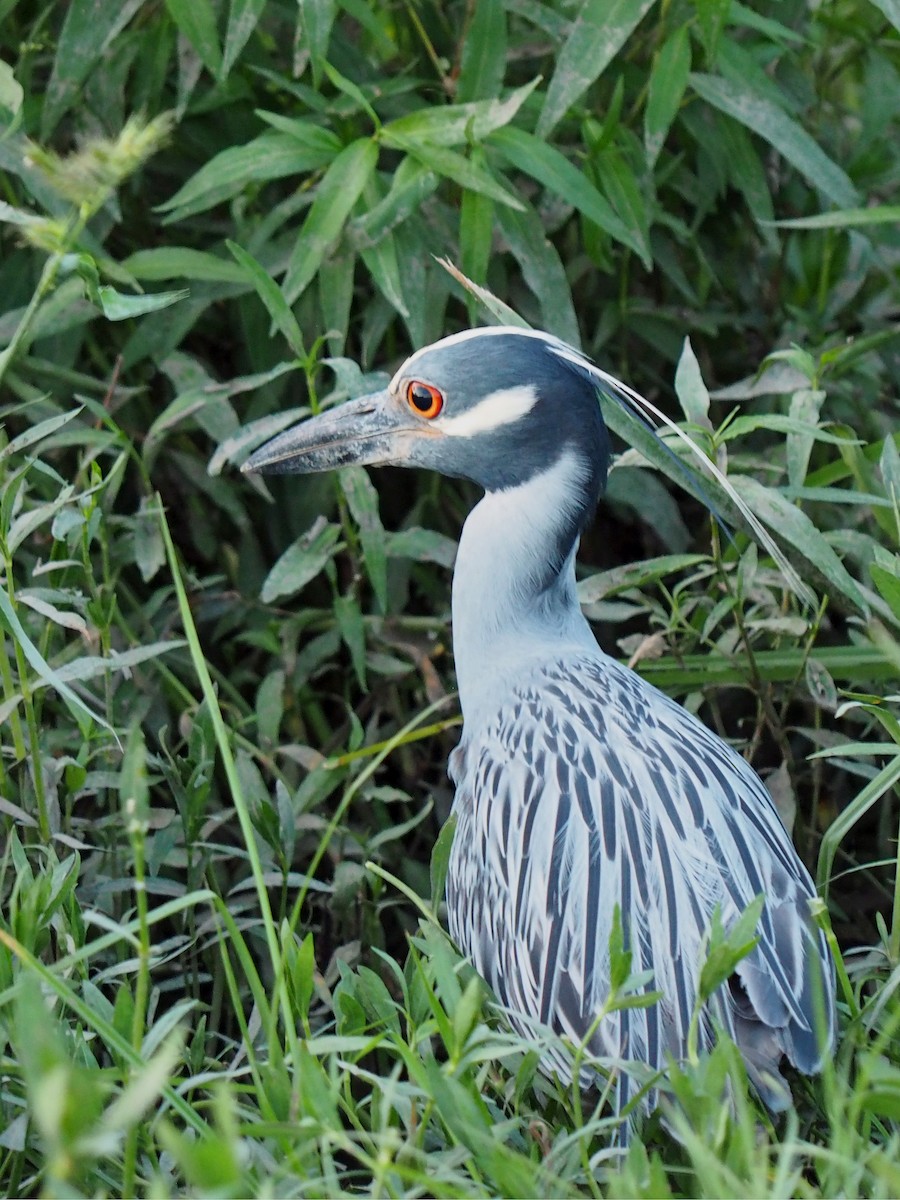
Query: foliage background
x=227, y=707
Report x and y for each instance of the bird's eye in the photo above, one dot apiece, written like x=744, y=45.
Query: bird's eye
x=424, y=399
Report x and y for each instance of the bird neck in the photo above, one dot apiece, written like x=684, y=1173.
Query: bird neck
x=514, y=598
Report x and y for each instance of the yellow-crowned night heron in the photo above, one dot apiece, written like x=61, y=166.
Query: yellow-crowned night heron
x=579, y=786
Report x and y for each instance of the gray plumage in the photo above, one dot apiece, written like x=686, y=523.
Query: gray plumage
x=579, y=787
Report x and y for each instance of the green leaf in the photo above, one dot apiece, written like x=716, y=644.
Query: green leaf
x=270, y=156
x=595, y=38
x=625, y=196
x=690, y=388
x=726, y=950
x=762, y=116
x=362, y=500
x=476, y=230
x=314, y=21
x=846, y=218
x=242, y=20
x=440, y=860
x=458, y=124
x=457, y=167
x=711, y=18
x=668, y=80
x=196, y=20
x=302, y=561
x=484, y=52
x=11, y=95
x=887, y=582
x=337, y=193
x=181, y=262
x=542, y=269
x=50, y=678
x=535, y=157
x=891, y=9
x=272, y=297
x=119, y=306
x=806, y=404
x=792, y=524
x=89, y=29
x=353, y=632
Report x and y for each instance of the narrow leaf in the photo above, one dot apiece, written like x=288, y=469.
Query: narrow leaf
x=196, y=20
x=595, y=37
x=272, y=297
x=668, y=80
x=302, y=561
x=772, y=123
x=340, y=188
x=535, y=157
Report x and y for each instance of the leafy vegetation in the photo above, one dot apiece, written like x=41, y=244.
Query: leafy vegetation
x=226, y=711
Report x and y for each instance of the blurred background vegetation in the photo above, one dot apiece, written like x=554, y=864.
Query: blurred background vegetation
x=227, y=707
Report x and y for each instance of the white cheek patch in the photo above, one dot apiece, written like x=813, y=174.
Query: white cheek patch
x=499, y=408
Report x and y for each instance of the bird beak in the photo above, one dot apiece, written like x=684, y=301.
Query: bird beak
x=365, y=432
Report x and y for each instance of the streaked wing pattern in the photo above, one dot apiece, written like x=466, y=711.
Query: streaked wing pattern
x=590, y=789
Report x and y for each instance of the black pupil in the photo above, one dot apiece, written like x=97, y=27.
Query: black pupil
x=421, y=397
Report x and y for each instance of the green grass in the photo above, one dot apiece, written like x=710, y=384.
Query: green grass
x=225, y=712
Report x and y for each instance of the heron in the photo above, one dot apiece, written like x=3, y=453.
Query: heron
x=581, y=791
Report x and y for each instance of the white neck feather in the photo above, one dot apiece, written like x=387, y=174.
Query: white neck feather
x=514, y=597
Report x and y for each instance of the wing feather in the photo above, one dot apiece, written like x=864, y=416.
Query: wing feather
x=591, y=789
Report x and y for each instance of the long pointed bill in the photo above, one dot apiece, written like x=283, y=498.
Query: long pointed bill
x=362, y=432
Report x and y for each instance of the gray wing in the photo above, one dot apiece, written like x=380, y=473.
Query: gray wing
x=591, y=789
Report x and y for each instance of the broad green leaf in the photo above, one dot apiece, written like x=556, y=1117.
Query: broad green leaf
x=690, y=388
x=362, y=500
x=45, y=673
x=846, y=218
x=314, y=21
x=483, y=52
x=596, y=35
x=196, y=20
x=542, y=269
x=411, y=184
x=353, y=632
x=891, y=9
x=887, y=582
x=11, y=93
x=781, y=131
x=334, y=280
x=458, y=124
x=272, y=297
x=627, y=201
x=421, y=545
x=37, y=433
x=269, y=156
x=119, y=306
x=181, y=262
x=794, y=526
x=476, y=230
x=382, y=263
x=457, y=167
x=242, y=19
x=91, y=666
x=543, y=162
x=747, y=172
x=711, y=18
x=89, y=28
x=806, y=404
x=337, y=193
x=726, y=950
x=302, y=561
x=668, y=80
x=634, y=575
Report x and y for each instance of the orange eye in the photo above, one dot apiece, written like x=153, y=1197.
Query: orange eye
x=424, y=399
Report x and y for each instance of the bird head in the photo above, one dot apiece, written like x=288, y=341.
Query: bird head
x=495, y=405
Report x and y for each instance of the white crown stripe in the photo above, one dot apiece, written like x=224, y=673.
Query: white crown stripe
x=498, y=409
